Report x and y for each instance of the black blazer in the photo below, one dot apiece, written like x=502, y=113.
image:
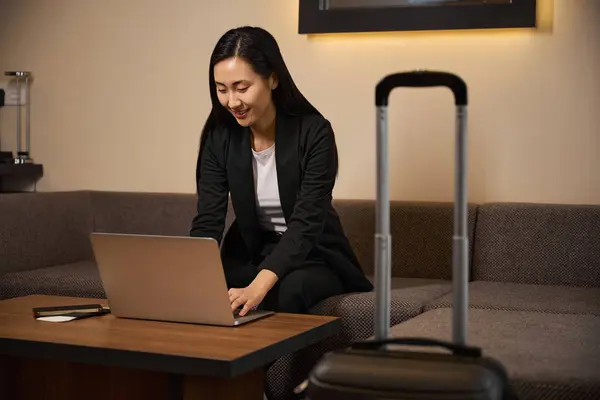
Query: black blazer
x=306, y=160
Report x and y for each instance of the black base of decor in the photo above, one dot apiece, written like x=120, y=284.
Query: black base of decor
x=13, y=176
x=6, y=157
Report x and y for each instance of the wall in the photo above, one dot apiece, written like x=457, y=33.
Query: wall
x=120, y=96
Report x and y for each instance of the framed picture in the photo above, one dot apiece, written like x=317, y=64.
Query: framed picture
x=339, y=16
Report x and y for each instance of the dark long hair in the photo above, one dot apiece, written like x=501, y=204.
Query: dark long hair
x=260, y=49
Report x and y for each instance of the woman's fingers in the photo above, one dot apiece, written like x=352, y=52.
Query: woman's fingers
x=247, y=307
x=234, y=294
x=241, y=300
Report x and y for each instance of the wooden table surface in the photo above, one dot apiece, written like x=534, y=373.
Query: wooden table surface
x=162, y=346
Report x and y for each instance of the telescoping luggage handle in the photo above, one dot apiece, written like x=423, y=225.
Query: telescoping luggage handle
x=421, y=78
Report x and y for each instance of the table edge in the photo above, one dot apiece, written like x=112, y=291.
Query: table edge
x=169, y=363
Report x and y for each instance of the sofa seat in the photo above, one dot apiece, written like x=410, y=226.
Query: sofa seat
x=547, y=355
x=527, y=297
x=79, y=279
x=356, y=310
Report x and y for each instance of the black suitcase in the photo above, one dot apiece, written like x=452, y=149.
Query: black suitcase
x=376, y=368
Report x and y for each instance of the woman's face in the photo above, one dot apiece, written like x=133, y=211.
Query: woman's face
x=243, y=92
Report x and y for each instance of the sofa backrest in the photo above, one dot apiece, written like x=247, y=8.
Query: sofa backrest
x=43, y=229
x=421, y=231
x=167, y=214
x=143, y=213
x=421, y=235
x=547, y=244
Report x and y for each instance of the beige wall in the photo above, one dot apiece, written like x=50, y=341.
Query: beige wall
x=127, y=80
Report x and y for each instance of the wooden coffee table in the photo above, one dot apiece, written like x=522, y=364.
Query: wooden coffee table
x=114, y=358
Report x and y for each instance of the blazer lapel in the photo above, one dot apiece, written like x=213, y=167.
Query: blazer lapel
x=241, y=176
x=287, y=161
x=241, y=187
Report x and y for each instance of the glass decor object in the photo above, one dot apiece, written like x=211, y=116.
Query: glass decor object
x=18, y=171
x=20, y=98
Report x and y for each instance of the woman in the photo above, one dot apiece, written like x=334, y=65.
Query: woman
x=274, y=154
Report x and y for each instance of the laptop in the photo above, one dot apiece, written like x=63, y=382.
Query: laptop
x=166, y=278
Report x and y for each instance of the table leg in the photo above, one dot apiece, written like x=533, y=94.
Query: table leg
x=25, y=378
x=248, y=386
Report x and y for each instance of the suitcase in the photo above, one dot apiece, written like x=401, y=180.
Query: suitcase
x=373, y=369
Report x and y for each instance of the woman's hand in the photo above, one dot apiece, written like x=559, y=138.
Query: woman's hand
x=252, y=295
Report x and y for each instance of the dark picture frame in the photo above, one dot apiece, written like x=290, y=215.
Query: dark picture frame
x=318, y=16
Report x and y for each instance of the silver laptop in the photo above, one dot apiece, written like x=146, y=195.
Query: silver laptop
x=166, y=278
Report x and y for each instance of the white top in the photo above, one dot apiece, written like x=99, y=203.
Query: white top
x=270, y=214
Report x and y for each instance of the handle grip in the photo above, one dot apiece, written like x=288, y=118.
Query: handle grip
x=462, y=350
x=421, y=78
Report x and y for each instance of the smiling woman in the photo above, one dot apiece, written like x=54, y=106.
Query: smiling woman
x=271, y=151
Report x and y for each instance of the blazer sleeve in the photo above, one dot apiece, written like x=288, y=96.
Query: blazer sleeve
x=212, y=189
x=310, y=210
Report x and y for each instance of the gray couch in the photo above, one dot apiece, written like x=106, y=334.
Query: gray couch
x=534, y=278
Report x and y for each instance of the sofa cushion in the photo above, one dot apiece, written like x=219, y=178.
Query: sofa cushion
x=79, y=279
x=521, y=297
x=548, y=356
x=357, y=312
x=421, y=235
x=544, y=244
x=43, y=229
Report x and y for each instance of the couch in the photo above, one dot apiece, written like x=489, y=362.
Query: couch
x=534, y=276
